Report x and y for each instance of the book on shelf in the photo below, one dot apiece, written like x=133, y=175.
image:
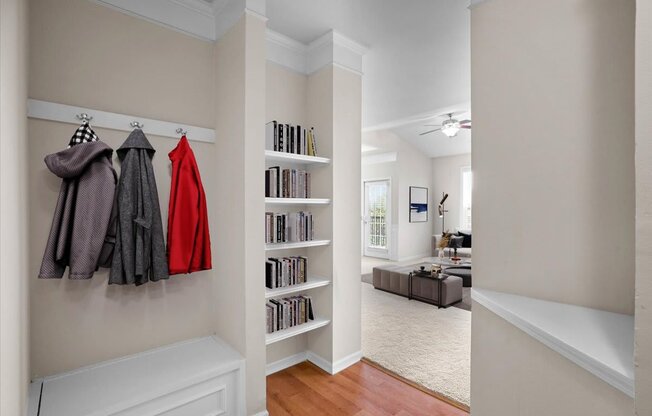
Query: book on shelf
x=285, y=271
x=288, y=227
x=288, y=138
x=287, y=183
x=288, y=312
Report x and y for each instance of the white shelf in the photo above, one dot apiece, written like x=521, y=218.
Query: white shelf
x=600, y=342
x=294, y=158
x=295, y=330
x=298, y=201
x=299, y=244
x=312, y=283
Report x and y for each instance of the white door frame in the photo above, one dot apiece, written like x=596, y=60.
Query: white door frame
x=373, y=251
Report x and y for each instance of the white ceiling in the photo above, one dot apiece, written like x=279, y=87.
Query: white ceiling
x=419, y=50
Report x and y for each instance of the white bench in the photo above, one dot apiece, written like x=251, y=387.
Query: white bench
x=203, y=376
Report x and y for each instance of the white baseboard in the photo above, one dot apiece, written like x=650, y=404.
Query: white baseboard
x=336, y=367
x=346, y=362
x=286, y=362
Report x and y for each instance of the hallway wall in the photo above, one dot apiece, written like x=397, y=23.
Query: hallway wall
x=129, y=66
x=14, y=296
x=643, y=207
x=554, y=192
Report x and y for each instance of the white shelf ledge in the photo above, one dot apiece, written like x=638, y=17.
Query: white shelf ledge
x=313, y=282
x=297, y=201
x=295, y=330
x=294, y=158
x=299, y=244
x=600, y=342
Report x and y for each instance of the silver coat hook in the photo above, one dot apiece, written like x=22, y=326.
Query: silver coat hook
x=181, y=131
x=85, y=118
x=137, y=125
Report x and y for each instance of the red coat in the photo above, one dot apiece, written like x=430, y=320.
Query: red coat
x=189, y=243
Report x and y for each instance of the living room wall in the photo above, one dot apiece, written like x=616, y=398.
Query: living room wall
x=411, y=168
x=447, y=177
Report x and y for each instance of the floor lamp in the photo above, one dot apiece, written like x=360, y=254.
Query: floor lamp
x=442, y=211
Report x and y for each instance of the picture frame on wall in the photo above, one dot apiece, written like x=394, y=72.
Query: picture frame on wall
x=418, y=204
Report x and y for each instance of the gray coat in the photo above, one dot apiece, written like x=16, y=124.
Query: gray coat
x=139, y=254
x=81, y=217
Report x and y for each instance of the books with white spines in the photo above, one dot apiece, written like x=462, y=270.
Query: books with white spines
x=288, y=312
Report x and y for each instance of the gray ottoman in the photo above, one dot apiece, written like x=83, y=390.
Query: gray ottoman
x=393, y=279
x=463, y=272
x=427, y=290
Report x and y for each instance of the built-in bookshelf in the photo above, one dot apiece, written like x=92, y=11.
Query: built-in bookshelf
x=302, y=166
x=311, y=283
x=273, y=156
x=297, y=201
x=296, y=330
x=298, y=244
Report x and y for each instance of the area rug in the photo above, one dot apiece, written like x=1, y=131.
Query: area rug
x=428, y=346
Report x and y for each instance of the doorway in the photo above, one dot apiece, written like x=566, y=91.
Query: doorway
x=377, y=212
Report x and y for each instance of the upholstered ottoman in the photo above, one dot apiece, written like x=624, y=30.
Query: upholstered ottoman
x=462, y=271
x=393, y=279
x=427, y=290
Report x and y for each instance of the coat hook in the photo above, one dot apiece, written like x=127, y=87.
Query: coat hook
x=181, y=131
x=85, y=118
x=137, y=125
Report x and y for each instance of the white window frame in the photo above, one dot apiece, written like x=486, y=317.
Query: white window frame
x=374, y=251
x=462, y=223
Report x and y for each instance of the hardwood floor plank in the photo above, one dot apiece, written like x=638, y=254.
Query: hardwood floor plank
x=360, y=390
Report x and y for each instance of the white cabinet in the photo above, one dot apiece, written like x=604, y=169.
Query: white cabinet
x=200, y=377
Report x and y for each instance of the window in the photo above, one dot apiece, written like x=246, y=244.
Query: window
x=466, y=192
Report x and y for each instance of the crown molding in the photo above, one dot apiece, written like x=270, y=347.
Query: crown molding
x=210, y=22
x=286, y=52
x=336, y=49
x=330, y=49
x=474, y=3
x=191, y=17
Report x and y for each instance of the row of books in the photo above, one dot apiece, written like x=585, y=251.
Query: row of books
x=287, y=183
x=285, y=271
x=288, y=312
x=288, y=227
x=290, y=139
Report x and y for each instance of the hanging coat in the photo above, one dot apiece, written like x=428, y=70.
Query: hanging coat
x=189, y=243
x=83, y=211
x=139, y=254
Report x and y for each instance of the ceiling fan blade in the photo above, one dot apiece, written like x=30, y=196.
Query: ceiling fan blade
x=466, y=127
x=465, y=121
x=428, y=132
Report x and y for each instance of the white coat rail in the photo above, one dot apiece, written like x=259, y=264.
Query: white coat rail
x=70, y=114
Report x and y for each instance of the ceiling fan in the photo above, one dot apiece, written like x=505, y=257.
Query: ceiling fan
x=449, y=127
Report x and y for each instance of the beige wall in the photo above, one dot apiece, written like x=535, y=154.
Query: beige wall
x=513, y=374
x=554, y=186
x=447, y=177
x=14, y=313
x=239, y=159
x=347, y=123
x=88, y=55
x=643, y=207
x=553, y=195
x=411, y=168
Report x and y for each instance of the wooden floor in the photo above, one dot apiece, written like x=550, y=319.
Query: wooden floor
x=360, y=390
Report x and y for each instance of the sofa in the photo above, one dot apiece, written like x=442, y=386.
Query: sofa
x=464, y=251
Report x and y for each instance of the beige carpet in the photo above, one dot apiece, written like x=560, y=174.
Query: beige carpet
x=417, y=341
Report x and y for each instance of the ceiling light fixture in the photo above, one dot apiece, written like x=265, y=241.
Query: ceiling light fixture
x=450, y=127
